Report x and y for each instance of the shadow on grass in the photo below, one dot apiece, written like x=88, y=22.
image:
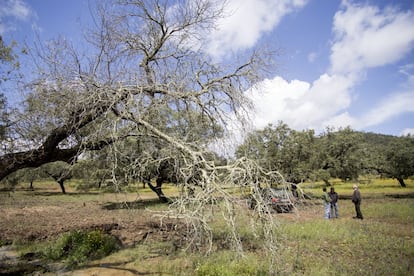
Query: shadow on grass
x=377, y=196
x=44, y=192
x=140, y=204
x=59, y=193
x=407, y=195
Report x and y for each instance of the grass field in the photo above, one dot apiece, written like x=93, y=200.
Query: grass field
x=381, y=244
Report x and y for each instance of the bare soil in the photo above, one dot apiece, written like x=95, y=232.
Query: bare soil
x=36, y=216
x=46, y=213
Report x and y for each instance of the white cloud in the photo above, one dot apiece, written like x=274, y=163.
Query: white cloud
x=362, y=41
x=19, y=9
x=273, y=98
x=246, y=23
x=343, y=120
x=388, y=108
x=10, y=11
x=369, y=37
x=300, y=104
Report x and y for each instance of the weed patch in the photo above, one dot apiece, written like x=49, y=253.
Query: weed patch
x=78, y=247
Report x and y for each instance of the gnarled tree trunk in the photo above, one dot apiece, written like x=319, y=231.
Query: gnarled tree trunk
x=401, y=181
x=158, y=190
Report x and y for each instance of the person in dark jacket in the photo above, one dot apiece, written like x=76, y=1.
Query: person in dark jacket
x=334, y=203
x=356, y=199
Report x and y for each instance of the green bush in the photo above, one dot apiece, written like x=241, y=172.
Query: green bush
x=78, y=247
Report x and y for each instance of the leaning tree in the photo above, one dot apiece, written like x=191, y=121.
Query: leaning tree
x=145, y=75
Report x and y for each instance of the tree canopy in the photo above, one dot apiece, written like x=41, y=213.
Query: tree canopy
x=144, y=93
x=343, y=153
x=143, y=74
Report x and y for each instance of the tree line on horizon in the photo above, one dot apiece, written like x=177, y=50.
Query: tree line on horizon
x=343, y=153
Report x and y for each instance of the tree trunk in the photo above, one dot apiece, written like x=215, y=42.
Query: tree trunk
x=327, y=183
x=146, y=180
x=401, y=181
x=62, y=186
x=158, y=190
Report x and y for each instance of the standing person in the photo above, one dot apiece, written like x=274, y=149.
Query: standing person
x=326, y=203
x=334, y=203
x=356, y=199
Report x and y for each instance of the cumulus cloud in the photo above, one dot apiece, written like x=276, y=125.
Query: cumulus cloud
x=388, y=108
x=361, y=41
x=10, y=11
x=246, y=23
x=273, y=100
x=300, y=104
x=362, y=37
x=385, y=110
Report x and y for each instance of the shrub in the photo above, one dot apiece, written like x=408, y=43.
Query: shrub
x=78, y=247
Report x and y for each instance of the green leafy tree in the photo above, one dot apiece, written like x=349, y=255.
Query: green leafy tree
x=399, y=158
x=59, y=171
x=265, y=146
x=280, y=148
x=388, y=156
x=299, y=155
x=8, y=60
x=340, y=154
x=8, y=65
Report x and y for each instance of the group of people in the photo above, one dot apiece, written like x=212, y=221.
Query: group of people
x=330, y=200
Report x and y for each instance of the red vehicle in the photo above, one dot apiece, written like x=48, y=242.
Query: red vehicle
x=275, y=199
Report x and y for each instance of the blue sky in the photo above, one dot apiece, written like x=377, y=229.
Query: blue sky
x=341, y=62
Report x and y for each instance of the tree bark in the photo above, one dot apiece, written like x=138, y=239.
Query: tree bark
x=158, y=190
x=47, y=153
x=62, y=186
x=327, y=183
x=401, y=181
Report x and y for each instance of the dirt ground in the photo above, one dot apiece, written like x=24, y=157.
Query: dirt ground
x=45, y=213
x=40, y=215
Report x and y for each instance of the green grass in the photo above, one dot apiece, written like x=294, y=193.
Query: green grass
x=376, y=188
x=381, y=244
x=350, y=247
